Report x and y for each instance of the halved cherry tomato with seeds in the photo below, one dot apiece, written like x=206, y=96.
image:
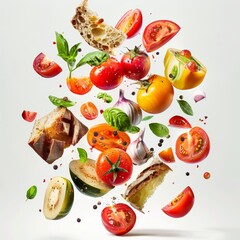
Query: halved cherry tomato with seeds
x=104, y=136
x=179, y=121
x=130, y=23
x=181, y=205
x=167, y=155
x=194, y=146
x=89, y=110
x=79, y=85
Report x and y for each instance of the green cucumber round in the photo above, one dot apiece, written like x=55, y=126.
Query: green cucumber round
x=58, y=198
x=85, y=178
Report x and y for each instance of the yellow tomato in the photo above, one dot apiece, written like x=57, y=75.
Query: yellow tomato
x=178, y=72
x=155, y=94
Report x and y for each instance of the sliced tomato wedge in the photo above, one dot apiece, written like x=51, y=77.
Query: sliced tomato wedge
x=193, y=146
x=45, y=67
x=29, y=116
x=89, y=110
x=157, y=33
x=179, y=121
x=79, y=85
x=130, y=23
x=167, y=155
x=181, y=205
x=103, y=136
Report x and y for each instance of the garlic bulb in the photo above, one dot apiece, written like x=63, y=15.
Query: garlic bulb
x=131, y=108
x=138, y=151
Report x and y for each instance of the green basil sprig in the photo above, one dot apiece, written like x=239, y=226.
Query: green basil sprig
x=185, y=106
x=119, y=120
x=61, y=102
x=159, y=129
x=31, y=192
x=69, y=55
x=106, y=97
x=82, y=155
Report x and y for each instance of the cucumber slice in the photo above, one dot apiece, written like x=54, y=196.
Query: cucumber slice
x=85, y=178
x=58, y=198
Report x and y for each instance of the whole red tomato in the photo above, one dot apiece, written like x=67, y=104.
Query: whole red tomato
x=114, y=166
x=108, y=75
x=118, y=219
x=136, y=64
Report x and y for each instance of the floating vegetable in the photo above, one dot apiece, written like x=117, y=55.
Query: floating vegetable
x=199, y=95
x=131, y=108
x=61, y=102
x=106, y=97
x=185, y=106
x=31, y=192
x=159, y=129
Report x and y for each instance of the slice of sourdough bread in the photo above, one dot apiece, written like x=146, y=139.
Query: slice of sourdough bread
x=95, y=31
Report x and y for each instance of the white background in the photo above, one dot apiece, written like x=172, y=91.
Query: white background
x=210, y=30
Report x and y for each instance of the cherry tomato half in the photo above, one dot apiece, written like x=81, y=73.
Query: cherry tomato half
x=194, y=146
x=80, y=85
x=167, y=155
x=179, y=121
x=181, y=205
x=114, y=166
x=29, y=116
x=157, y=33
x=45, y=67
x=118, y=219
x=130, y=23
x=89, y=110
x=108, y=75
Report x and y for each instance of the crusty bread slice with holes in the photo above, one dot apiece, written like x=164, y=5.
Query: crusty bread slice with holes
x=95, y=31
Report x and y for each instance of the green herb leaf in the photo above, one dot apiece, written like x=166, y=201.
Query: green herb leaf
x=159, y=129
x=62, y=46
x=133, y=129
x=61, y=102
x=186, y=108
x=93, y=58
x=174, y=71
x=82, y=155
x=147, y=118
x=31, y=192
x=73, y=54
x=106, y=97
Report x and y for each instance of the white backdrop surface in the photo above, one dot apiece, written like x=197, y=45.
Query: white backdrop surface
x=210, y=30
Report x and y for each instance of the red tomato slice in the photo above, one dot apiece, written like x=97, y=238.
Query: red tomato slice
x=167, y=155
x=28, y=115
x=118, y=219
x=194, y=146
x=130, y=23
x=104, y=136
x=80, y=86
x=89, y=110
x=178, y=121
x=181, y=205
x=45, y=67
x=157, y=33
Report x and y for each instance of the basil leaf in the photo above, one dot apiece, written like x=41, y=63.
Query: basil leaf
x=106, y=97
x=93, y=58
x=61, y=102
x=62, y=46
x=133, y=129
x=159, y=129
x=147, y=118
x=31, y=192
x=186, y=108
x=117, y=119
x=82, y=155
x=73, y=54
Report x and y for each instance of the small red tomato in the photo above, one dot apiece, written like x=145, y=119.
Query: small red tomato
x=118, y=219
x=80, y=85
x=108, y=75
x=45, y=67
x=186, y=53
x=89, y=110
x=179, y=121
x=28, y=115
x=114, y=166
x=181, y=205
x=167, y=155
x=192, y=66
x=130, y=23
x=136, y=64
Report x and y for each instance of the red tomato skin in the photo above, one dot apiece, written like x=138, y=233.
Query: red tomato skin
x=107, y=75
x=136, y=67
x=102, y=166
x=89, y=110
x=179, y=121
x=131, y=22
x=181, y=205
x=192, y=143
x=79, y=85
x=29, y=116
x=151, y=31
x=167, y=155
x=46, y=67
x=118, y=219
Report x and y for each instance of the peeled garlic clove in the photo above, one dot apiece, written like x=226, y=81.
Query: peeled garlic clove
x=199, y=95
